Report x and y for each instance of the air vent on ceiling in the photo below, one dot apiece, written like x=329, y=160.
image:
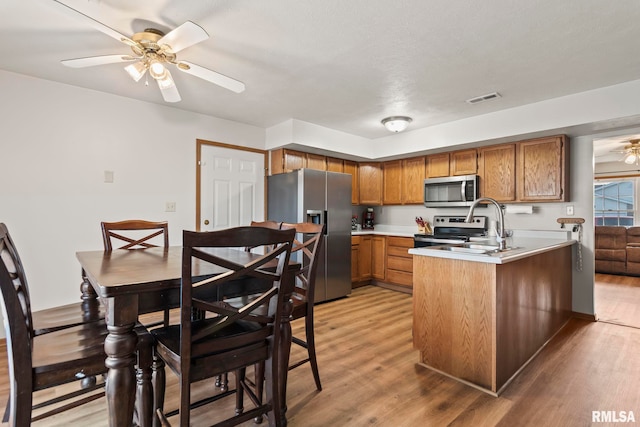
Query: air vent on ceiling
x=483, y=98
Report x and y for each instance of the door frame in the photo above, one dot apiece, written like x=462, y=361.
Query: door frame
x=199, y=144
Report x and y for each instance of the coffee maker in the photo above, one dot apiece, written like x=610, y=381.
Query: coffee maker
x=367, y=219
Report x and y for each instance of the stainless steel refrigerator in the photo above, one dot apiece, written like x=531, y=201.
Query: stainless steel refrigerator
x=309, y=195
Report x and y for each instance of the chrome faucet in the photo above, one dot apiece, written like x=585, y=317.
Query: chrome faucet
x=501, y=238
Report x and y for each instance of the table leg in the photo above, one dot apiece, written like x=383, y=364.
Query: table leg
x=120, y=348
x=90, y=302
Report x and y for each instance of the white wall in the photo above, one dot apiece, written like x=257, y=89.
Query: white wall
x=57, y=141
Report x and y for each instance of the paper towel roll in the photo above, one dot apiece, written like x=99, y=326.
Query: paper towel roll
x=520, y=209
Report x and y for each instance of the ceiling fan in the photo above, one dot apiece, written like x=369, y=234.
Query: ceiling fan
x=152, y=50
x=631, y=152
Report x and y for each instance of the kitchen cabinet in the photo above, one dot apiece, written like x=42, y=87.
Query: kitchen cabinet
x=413, y=175
x=370, y=183
x=335, y=165
x=497, y=170
x=355, y=264
x=378, y=254
x=392, y=182
x=352, y=168
x=399, y=263
x=364, y=258
x=316, y=161
x=403, y=181
x=284, y=160
x=543, y=169
x=464, y=162
x=438, y=165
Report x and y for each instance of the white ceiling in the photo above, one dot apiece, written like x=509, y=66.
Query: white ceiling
x=342, y=64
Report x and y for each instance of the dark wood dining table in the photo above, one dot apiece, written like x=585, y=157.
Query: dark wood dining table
x=133, y=282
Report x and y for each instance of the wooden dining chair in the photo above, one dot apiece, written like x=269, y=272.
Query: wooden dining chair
x=135, y=234
x=309, y=240
x=234, y=338
x=306, y=247
x=38, y=362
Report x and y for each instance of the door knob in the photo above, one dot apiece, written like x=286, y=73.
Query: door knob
x=206, y=222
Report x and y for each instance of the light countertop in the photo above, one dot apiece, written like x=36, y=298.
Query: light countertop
x=525, y=243
x=389, y=230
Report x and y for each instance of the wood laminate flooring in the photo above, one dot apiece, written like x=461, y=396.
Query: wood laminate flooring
x=617, y=299
x=370, y=376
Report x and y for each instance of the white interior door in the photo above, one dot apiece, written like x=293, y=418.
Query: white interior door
x=231, y=187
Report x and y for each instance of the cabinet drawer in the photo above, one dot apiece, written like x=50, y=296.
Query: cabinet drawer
x=399, y=252
x=400, y=277
x=355, y=240
x=402, y=264
x=403, y=242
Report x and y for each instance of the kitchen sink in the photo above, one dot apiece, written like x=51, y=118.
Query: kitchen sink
x=474, y=248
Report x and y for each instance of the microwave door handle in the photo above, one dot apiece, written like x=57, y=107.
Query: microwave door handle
x=463, y=191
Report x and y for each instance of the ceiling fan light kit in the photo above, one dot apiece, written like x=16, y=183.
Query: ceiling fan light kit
x=396, y=123
x=631, y=152
x=153, y=50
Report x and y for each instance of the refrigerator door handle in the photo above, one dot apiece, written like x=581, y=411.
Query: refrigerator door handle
x=326, y=222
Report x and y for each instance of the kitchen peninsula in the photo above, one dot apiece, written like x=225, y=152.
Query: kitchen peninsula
x=480, y=316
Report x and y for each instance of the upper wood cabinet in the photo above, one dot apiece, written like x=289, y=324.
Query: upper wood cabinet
x=392, y=186
x=352, y=168
x=284, y=160
x=438, y=165
x=543, y=169
x=497, y=170
x=335, y=165
x=370, y=183
x=464, y=162
x=413, y=175
x=316, y=161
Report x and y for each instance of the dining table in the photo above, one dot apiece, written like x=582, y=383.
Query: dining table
x=129, y=283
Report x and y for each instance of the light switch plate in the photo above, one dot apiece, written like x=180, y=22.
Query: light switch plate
x=170, y=207
x=569, y=210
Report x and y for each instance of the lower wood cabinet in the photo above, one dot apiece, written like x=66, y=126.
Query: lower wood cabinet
x=383, y=259
x=399, y=262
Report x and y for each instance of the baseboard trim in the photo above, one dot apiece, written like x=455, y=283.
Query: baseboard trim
x=391, y=286
x=585, y=316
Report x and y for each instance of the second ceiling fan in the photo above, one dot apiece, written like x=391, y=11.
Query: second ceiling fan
x=152, y=52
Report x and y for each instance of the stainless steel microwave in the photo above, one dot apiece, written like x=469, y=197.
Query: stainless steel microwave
x=450, y=191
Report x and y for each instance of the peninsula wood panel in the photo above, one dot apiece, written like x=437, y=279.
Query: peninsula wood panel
x=454, y=317
x=413, y=175
x=438, y=165
x=464, y=162
x=497, y=170
x=370, y=183
x=533, y=303
x=543, y=169
x=392, y=182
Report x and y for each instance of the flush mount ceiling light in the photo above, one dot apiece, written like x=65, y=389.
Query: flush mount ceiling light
x=396, y=123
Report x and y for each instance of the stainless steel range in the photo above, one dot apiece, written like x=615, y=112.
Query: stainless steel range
x=451, y=230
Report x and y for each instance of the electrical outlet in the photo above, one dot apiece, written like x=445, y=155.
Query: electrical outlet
x=569, y=210
x=170, y=207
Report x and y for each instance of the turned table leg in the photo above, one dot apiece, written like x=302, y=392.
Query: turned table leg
x=120, y=348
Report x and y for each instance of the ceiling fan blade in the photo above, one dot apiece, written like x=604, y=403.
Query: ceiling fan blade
x=95, y=24
x=168, y=88
x=97, y=60
x=184, y=36
x=211, y=76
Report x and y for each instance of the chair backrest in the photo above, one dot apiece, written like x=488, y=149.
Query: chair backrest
x=306, y=250
x=16, y=309
x=267, y=224
x=234, y=264
x=139, y=234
